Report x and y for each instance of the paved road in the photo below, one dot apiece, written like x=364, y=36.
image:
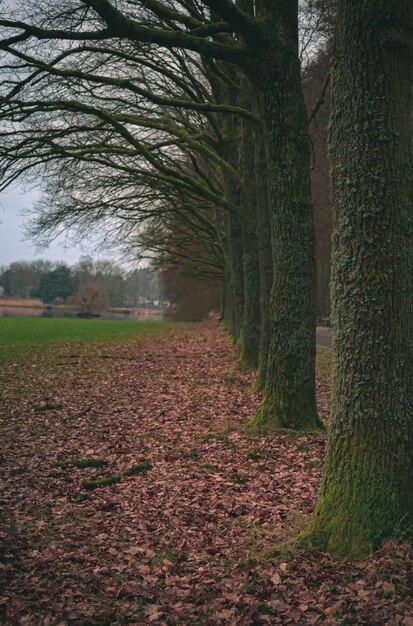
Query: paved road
x=324, y=336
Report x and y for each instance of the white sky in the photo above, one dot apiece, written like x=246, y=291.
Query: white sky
x=14, y=247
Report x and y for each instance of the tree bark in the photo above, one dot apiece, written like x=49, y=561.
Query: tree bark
x=250, y=332
x=264, y=247
x=366, y=494
x=235, y=274
x=289, y=395
x=234, y=238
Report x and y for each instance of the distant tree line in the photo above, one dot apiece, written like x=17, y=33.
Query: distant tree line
x=58, y=282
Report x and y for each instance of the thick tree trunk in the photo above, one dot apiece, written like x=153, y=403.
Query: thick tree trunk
x=289, y=395
x=366, y=493
x=236, y=274
x=234, y=237
x=264, y=248
x=248, y=343
x=250, y=332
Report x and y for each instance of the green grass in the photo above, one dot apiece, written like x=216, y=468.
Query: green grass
x=20, y=334
x=323, y=364
x=90, y=485
x=139, y=468
x=82, y=463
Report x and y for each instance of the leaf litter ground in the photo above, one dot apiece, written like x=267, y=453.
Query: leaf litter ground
x=186, y=505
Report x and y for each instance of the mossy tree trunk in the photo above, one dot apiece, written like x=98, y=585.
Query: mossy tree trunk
x=250, y=332
x=264, y=247
x=234, y=237
x=233, y=221
x=367, y=494
x=289, y=394
x=235, y=274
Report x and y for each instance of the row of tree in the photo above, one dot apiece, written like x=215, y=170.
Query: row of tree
x=58, y=282
x=183, y=156
x=178, y=128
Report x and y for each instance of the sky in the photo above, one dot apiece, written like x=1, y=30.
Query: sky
x=13, y=244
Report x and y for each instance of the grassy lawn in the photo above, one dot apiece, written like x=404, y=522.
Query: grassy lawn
x=20, y=334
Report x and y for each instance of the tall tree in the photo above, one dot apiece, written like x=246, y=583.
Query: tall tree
x=263, y=205
x=58, y=283
x=289, y=392
x=250, y=330
x=366, y=494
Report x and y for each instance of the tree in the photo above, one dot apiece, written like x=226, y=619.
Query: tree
x=58, y=283
x=105, y=273
x=91, y=299
x=289, y=392
x=366, y=494
x=21, y=279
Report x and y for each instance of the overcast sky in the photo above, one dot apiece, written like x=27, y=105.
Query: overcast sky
x=13, y=246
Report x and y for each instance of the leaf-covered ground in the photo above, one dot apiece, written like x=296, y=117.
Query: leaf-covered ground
x=185, y=528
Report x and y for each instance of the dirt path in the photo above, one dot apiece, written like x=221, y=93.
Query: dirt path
x=183, y=536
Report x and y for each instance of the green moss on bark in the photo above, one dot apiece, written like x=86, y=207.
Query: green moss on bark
x=357, y=509
x=274, y=413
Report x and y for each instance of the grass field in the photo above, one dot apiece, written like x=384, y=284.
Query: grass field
x=19, y=334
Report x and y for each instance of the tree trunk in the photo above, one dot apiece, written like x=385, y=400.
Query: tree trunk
x=236, y=275
x=234, y=238
x=366, y=494
x=264, y=248
x=250, y=332
x=289, y=395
